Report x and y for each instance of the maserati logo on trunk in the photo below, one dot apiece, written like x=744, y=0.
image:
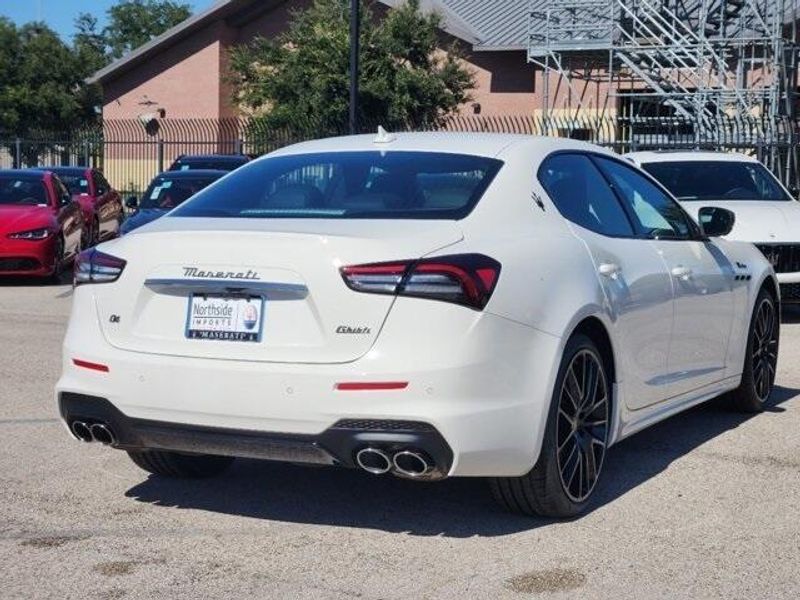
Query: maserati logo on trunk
x=200, y=274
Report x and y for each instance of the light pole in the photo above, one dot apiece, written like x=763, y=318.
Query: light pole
x=354, y=44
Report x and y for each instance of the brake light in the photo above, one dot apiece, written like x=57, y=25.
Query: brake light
x=466, y=279
x=93, y=266
x=90, y=365
x=370, y=386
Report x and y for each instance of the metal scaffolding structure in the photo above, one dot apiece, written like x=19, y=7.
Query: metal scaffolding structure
x=694, y=59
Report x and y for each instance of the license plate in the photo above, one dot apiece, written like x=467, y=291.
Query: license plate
x=225, y=318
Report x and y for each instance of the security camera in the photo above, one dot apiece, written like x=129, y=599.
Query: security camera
x=150, y=123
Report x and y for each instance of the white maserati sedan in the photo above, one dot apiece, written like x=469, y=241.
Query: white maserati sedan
x=424, y=304
x=766, y=213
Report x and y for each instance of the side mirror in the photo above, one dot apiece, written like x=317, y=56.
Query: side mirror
x=715, y=221
x=132, y=202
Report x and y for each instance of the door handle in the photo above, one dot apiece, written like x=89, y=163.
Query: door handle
x=609, y=269
x=681, y=272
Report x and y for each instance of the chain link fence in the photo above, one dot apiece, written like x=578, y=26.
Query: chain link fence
x=131, y=152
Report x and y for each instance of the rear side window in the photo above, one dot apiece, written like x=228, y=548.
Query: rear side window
x=582, y=195
x=349, y=185
x=63, y=193
x=101, y=184
x=655, y=213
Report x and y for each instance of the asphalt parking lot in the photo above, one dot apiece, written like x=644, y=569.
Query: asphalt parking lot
x=704, y=505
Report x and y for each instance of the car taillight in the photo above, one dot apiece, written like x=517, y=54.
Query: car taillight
x=467, y=279
x=93, y=266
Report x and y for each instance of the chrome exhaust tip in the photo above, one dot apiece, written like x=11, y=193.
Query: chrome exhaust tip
x=82, y=431
x=102, y=433
x=409, y=463
x=373, y=460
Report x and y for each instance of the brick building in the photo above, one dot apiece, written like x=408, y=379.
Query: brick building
x=181, y=74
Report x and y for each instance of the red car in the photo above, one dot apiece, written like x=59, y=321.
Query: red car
x=41, y=226
x=101, y=204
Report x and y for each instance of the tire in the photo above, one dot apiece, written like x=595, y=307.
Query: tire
x=95, y=237
x=544, y=490
x=183, y=466
x=58, y=262
x=761, y=356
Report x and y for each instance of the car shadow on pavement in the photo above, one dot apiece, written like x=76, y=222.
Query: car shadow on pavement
x=459, y=507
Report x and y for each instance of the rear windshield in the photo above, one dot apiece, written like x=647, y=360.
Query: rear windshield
x=166, y=193
x=22, y=191
x=717, y=180
x=350, y=185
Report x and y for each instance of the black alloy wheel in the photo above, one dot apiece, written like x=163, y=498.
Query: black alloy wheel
x=582, y=425
x=761, y=356
x=575, y=439
x=764, y=352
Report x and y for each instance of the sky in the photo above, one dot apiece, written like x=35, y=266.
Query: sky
x=60, y=14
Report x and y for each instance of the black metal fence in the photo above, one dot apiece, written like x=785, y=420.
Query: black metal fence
x=131, y=152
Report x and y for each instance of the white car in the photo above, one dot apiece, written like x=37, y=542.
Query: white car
x=423, y=304
x=766, y=213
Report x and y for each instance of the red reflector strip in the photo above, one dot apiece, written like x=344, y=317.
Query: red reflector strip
x=89, y=365
x=353, y=386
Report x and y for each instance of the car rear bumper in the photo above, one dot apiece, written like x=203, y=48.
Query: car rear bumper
x=487, y=396
x=337, y=445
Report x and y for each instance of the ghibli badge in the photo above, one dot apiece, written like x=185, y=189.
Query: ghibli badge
x=353, y=330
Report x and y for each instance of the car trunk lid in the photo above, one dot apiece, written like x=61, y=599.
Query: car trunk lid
x=309, y=314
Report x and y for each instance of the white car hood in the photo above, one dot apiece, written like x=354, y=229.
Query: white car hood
x=757, y=221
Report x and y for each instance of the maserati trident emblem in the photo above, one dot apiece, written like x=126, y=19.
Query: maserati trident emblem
x=774, y=259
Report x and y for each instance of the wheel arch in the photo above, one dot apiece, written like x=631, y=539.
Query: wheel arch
x=596, y=328
x=593, y=328
x=771, y=285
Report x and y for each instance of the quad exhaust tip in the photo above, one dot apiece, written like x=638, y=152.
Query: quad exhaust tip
x=374, y=461
x=409, y=463
x=103, y=434
x=405, y=463
x=93, y=432
x=82, y=431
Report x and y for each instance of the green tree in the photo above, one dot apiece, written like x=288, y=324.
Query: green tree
x=9, y=57
x=301, y=79
x=135, y=22
x=89, y=44
x=89, y=49
x=41, y=86
x=39, y=80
